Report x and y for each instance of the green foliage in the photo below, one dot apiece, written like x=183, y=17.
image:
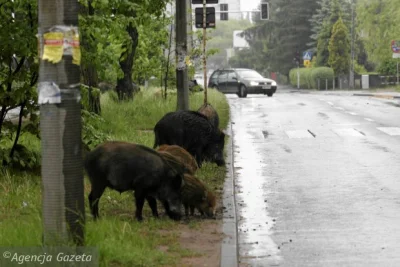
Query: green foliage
x=305, y=77
x=92, y=133
x=309, y=77
x=324, y=11
x=378, y=21
x=18, y=77
x=276, y=42
x=323, y=74
x=339, y=48
x=388, y=67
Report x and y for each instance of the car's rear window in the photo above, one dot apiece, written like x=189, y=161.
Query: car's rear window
x=249, y=74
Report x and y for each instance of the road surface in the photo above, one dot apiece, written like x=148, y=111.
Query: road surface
x=317, y=179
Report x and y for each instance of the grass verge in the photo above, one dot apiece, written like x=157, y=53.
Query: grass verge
x=121, y=240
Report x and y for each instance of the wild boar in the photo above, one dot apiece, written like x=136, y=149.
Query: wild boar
x=211, y=114
x=196, y=195
x=194, y=132
x=181, y=155
x=125, y=166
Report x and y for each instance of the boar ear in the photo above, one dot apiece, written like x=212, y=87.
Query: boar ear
x=225, y=133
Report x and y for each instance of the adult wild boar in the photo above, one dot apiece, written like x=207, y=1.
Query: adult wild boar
x=209, y=111
x=181, y=155
x=196, y=195
x=194, y=132
x=124, y=166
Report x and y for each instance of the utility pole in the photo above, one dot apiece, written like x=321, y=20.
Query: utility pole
x=204, y=50
x=181, y=54
x=60, y=123
x=351, y=77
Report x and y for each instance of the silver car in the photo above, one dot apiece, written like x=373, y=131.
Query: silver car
x=242, y=82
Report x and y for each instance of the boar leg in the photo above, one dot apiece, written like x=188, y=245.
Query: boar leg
x=153, y=205
x=198, y=156
x=192, y=210
x=94, y=198
x=139, y=200
x=186, y=210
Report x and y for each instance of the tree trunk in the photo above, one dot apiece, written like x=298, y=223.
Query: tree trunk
x=88, y=70
x=124, y=87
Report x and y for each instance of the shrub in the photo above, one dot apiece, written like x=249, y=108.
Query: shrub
x=321, y=73
x=305, y=77
x=388, y=67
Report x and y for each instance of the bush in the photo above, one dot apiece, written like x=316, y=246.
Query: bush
x=388, y=67
x=322, y=73
x=305, y=77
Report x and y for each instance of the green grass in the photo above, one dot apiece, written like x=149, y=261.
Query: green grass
x=120, y=239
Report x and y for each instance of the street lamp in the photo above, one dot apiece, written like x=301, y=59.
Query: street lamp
x=351, y=78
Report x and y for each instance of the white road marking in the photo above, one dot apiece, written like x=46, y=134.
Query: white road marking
x=347, y=132
x=345, y=124
x=330, y=103
x=368, y=119
x=390, y=130
x=352, y=113
x=299, y=134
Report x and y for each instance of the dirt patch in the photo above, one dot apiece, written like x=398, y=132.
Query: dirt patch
x=204, y=241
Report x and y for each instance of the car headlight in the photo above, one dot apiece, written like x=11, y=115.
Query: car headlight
x=253, y=83
x=273, y=83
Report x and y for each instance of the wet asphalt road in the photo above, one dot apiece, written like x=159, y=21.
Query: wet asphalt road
x=317, y=179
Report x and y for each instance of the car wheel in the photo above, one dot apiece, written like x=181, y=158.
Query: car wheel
x=242, y=91
x=269, y=94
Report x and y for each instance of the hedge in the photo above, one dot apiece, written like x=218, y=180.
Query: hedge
x=309, y=77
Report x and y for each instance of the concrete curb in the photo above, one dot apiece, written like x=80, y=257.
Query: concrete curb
x=387, y=96
x=229, y=247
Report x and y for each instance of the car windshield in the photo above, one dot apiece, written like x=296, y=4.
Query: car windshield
x=249, y=74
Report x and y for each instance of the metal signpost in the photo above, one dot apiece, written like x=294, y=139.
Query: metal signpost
x=208, y=21
x=395, y=46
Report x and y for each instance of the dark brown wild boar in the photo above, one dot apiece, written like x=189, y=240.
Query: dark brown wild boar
x=196, y=195
x=194, y=132
x=124, y=166
x=181, y=155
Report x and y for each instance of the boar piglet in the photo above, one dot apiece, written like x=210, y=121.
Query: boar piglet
x=181, y=155
x=209, y=111
x=124, y=166
x=194, y=132
x=196, y=195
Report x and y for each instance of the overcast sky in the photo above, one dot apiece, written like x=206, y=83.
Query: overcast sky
x=249, y=4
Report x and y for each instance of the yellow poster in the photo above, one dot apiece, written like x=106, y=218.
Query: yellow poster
x=76, y=50
x=53, y=46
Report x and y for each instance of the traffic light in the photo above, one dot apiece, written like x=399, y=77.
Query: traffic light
x=207, y=2
x=210, y=17
x=223, y=15
x=264, y=11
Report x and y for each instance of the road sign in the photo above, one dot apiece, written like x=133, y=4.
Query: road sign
x=307, y=55
x=395, y=45
x=307, y=63
x=210, y=17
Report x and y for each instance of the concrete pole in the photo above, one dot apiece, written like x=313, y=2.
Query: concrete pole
x=204, y=50
x=351, y=77
x=60, y=123
x=181, y=54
